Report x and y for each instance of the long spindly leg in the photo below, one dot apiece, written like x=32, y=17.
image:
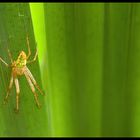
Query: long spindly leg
x=17, y=94
x=33, y=90
x=34, y=59
x=33, y=80
x=9, y=88
x=10, y=56
x=3, y=62
x=28, y=45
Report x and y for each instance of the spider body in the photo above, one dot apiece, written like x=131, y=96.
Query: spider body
x=21, y=60
x=19, y=68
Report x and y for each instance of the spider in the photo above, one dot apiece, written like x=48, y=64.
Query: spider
x=19, y=68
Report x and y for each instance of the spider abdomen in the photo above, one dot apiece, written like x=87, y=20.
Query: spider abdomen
x=18, y=71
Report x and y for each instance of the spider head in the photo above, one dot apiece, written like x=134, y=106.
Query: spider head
x=21, y=61
x=22, y=56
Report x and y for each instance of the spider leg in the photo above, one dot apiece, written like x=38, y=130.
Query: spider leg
x=10, y=56
x=33, y=89
x=9, y=88
x=33, y=80
x=4, y=62
x=28, y=45
x=17, y=94
x=34, y=59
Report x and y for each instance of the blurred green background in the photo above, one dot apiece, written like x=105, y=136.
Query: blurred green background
x=88, y=66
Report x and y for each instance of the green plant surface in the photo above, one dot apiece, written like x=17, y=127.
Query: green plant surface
x=15, y=23
x=133, y=73
x=88, y=66
x=93, y=68
x=37, y=14
x=75, y=50
x=116, y=98
x=120, y=97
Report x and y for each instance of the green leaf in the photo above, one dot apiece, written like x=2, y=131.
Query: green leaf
x=90, y=72
x=37, y=13
x=93, y=55
x=115, y=120
x=15, y=24
x=75, y=57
